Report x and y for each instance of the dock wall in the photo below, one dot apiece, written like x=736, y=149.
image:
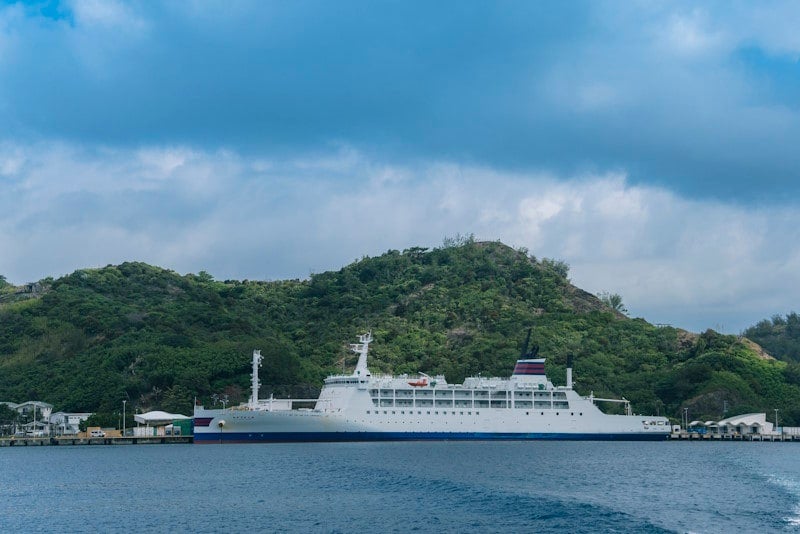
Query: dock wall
x=108, y=440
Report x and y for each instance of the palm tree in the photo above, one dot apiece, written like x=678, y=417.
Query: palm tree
x=613, y=301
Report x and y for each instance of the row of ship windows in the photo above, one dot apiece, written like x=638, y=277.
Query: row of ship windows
x=390, y=403
x=444, y=412
x=342, y=381
x=466, y=393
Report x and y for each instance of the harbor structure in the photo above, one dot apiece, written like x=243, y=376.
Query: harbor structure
x=160, y=423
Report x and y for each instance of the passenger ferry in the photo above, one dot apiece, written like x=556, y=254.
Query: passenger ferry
x=364, y=407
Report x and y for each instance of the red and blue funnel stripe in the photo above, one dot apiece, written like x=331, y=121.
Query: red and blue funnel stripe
x=529, y=367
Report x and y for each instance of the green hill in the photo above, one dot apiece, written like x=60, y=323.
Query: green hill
x=88, y=340
x=779, y=336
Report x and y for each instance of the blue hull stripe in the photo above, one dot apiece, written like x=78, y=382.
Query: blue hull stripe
x=277, y=437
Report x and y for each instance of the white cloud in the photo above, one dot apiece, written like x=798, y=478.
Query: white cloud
x=703, y=31
x=694, y=264
x=770, y=25
x=11, y=160
x=107, y=14
x=690, y=34
x=10, y=19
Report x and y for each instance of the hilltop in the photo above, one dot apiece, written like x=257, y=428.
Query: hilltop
x=157, y=338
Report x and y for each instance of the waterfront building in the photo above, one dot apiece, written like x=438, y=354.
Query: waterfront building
x=158, y=423
x=67, y=424
x=749, y=424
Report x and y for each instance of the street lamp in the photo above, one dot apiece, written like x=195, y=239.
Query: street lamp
x=123, y=417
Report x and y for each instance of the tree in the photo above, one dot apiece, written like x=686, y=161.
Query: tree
x=8, y=419
x=560, y=267
x=204, y=276
x=458, y=241
x=613, y=301
x=177, y=399
x=103, y=419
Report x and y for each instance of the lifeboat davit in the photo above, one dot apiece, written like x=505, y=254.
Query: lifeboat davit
x=422, y=382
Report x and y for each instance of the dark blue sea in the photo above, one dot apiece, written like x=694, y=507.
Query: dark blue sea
x=400, y=487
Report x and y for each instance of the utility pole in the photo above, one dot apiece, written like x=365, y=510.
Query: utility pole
x=123, y=416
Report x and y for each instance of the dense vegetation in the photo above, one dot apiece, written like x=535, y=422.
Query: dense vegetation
x=89, y=340
x=779, y=336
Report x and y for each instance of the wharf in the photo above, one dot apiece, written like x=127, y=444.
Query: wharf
x=694, y=436
x=118, y=440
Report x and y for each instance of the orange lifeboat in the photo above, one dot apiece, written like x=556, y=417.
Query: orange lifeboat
x=422, y=382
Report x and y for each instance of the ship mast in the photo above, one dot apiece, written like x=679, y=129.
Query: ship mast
x=255, y=385
x=361, y=349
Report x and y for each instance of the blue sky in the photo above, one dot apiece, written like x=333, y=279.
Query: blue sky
x=651, y=145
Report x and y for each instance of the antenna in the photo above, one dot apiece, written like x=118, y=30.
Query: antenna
x=569, y=370
x=255, y=383
x=362, y=348
x=528, y=353
x=525, y=345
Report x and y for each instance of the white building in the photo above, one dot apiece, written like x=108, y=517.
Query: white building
x=67, y=424
x=156, y=423
x=738, y=425
x=40, y=409
x=36, y=418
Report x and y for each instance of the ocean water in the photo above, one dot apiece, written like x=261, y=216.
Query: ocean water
x=401, y=487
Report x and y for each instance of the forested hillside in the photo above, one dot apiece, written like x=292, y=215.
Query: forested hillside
x=87, y=341
x=779, y=336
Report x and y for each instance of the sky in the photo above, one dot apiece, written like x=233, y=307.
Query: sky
x=650, y=145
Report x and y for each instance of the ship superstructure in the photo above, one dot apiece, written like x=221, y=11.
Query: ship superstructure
x=363, y=407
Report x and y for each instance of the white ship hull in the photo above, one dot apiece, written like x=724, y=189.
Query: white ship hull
x=489, y=424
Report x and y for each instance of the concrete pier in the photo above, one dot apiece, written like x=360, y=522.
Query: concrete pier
x=694, y=436
x=70, y=440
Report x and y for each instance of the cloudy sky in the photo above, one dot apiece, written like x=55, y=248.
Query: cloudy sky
x=651, y=145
